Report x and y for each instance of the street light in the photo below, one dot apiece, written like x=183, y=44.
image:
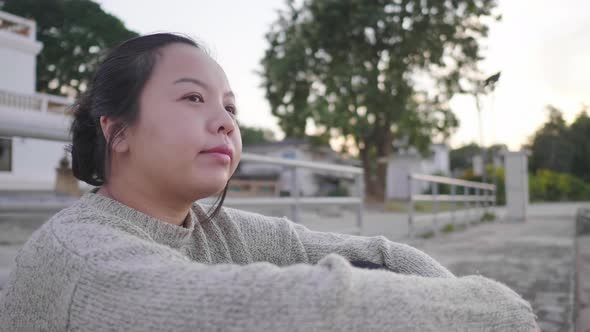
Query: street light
x=485, y=86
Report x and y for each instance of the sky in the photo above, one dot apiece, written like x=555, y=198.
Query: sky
x=541, y=47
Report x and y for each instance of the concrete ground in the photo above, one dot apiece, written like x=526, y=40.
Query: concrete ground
x=536, y=258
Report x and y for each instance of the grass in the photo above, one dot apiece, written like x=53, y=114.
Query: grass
x=427, y=235
x=488, y=217
x=448, y=228
x=402, y=206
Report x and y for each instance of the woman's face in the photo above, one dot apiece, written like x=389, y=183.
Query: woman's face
x=186, y=141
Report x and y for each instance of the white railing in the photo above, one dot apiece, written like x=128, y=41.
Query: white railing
x=474, y=195
x=17, y=25
x=295, y=200
x=40, y=102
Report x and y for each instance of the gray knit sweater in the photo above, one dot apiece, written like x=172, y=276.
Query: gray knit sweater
x=102, y=266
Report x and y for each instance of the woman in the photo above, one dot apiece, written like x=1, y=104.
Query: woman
x=155, y=132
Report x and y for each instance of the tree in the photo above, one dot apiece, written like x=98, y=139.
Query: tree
x=579, y=137
x=372, y=71
x=252, y=135
x=551, y=146
x=462, y=157
x=74, y=33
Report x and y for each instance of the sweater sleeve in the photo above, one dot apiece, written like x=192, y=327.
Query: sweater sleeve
x=393, y=256
x=151, y=294
x=283, y=242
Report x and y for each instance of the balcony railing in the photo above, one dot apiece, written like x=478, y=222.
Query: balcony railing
x=17, y=25
x=40, y=102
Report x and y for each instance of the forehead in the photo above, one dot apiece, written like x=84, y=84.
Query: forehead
x=185, y=61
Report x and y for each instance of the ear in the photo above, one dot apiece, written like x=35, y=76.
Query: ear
x=108, y=127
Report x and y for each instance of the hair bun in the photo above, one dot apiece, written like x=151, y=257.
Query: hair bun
x=86, y=160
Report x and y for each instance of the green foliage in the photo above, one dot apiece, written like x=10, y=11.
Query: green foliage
x=550, y=146
x=544, y=185
x=579, y=137
x=252, y=135
x=495, y=175
x=74, y=33
x=427, y=235
x=549, y=186
x=462, y=157
x=448, y=228
x=488, y=217
x=353, y=67
x=562, y=148
x=340, y=191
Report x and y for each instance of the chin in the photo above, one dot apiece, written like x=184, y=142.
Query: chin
x=209, y=187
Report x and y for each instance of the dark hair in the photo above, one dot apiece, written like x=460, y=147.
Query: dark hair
x=114, y=92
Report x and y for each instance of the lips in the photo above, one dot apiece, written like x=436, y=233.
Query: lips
x=221, y=149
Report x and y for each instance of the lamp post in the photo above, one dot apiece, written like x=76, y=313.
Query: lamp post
x=485, y=86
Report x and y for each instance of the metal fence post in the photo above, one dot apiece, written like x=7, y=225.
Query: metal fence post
x=295, y=194
x=436, y=205
x=453, y=204
x=358, y=183
x=481, y=201
x=466, y=204
x=410, y=207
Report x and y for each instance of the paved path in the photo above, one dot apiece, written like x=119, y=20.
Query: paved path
x=535, y=258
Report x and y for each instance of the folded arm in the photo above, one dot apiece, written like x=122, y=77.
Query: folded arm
x=393, y=256
x=149, y=293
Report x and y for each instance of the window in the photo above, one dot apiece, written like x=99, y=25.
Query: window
x=5, y=154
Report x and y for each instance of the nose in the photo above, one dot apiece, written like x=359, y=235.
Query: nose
x=224, y=123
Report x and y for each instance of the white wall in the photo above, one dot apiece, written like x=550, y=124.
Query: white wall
x=401, y=165
x=398, y=170
x=18, y=62
x=33, y=164
x=305, y=177
x=33, y=161
x=517, y=185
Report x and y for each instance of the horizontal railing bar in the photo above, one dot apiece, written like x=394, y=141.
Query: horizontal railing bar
x=452, y=181
x=55, y=206
x=289, y=201
x=452, y=198
x=302, y=164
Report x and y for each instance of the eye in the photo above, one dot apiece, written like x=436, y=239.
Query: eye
x=232, y=109
x=195, y=98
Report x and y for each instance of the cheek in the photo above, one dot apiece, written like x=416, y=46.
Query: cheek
x=237, y=139
x=237, y=143
x=169, y=139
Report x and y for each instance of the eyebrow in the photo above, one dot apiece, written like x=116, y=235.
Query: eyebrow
x=201, y=84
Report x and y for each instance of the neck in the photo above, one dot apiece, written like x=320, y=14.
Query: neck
x=151, y=202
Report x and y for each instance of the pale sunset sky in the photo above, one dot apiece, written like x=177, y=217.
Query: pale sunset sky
x=542, y=48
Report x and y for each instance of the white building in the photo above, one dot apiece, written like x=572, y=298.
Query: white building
x=310, y=182
x=27, y=163
x=410, y=161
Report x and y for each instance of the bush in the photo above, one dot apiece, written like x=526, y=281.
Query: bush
x=549, y=186
x=495, y=176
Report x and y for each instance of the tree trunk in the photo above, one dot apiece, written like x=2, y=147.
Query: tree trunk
x=364, y=154
x=375, y=174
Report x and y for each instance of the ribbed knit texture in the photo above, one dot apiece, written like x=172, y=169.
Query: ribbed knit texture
x=102, y=266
